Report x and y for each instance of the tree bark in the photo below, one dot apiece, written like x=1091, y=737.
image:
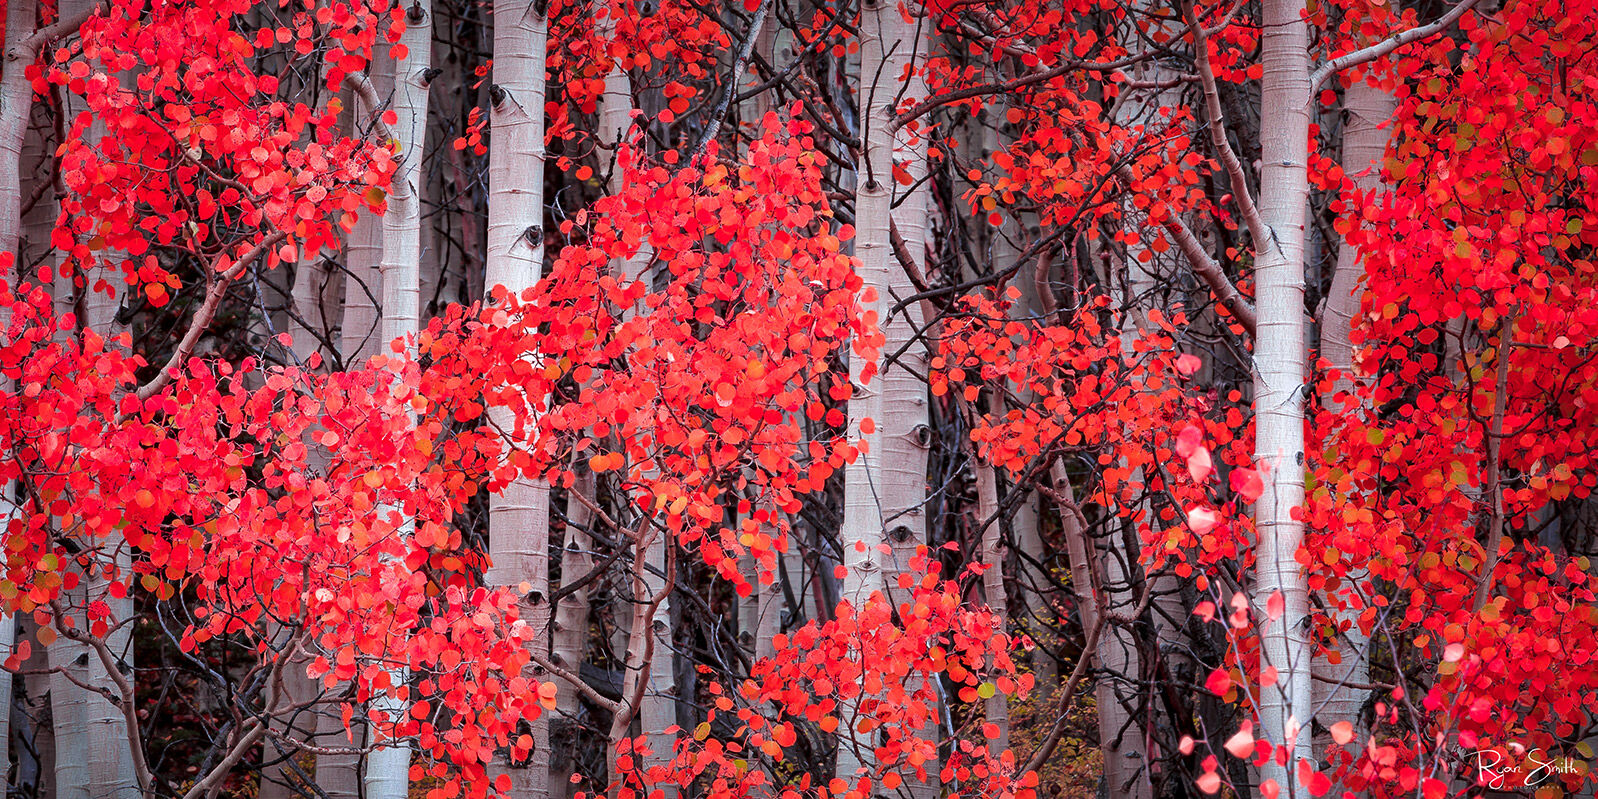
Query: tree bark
x=1279, y=383
x=519, y=514
x=363, y=250
x=388, y=764
x=1364, y=146
x=94, y=758
x=885, y=488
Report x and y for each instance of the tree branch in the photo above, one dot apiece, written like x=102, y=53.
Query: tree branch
x=29, y=48
x=207, y=311
x=1386, y=46
x=1212, y=274
x=1216, y=120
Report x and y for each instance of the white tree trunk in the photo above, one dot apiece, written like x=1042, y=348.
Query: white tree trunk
x=1279, y=383
x=363, y=250
x=996, y=709
x=658, y=710
x=569, y=644
x=388, y=764
x=658, y=706
x=16, y=106
x=338, y=774
x=760, y=613
x=39, y=772
x=885, y=489
x=1364, y=145
x=277, y=781
x=518, y=516
x=94, y=755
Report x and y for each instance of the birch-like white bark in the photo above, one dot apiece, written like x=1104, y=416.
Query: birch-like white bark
x=363, y=248
x=1367, y=108
x=996, y=708
x=1279, y=384
x=278, y=781
x=17, y=162
x=16, y=105
x=388, y=764
x=885, y=489
x=518, y=516
x=569, y=644
x=649, y=646
x=94, y=756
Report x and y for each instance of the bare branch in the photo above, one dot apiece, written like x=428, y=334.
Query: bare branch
x=1216, y=119
x=1212, y=274
x=207, y=311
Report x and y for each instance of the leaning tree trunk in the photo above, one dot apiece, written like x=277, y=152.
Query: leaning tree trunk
x=1279, y=383
x=518, y=516
x=1364, y=145
x=388, y=764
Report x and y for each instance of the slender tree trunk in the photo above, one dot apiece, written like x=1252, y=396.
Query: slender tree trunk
x=760, y=612
x=388, y=765
x=519, y=514
x=885, y=489
x=657, y=708
x=16, y=106
x=996, y=709
x=1364, y=145
x=649, y=660
x=307, y=329
x=363, y=251
x=1279, y=383
x=570, y=641
x=36, y=752
x=36, y=740
x=95, y=759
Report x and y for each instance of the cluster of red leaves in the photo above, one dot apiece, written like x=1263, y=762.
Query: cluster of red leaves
x=867, y=677
x=282, y=502
x=190, y=140
x=668, y=45
x=691, y=394
x=1085, y=387
x=1478, y=341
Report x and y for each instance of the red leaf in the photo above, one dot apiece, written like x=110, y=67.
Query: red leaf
x=1247, y=484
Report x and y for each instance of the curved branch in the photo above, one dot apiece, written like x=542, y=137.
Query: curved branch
x=1386, y=46
x=1210, y=271
x=1216, y=120
x=207, y=311
x=29, y=48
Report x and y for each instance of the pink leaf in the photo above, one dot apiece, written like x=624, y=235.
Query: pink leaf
x=1199, y=465
x=1241, y=745
x=1189, y=440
